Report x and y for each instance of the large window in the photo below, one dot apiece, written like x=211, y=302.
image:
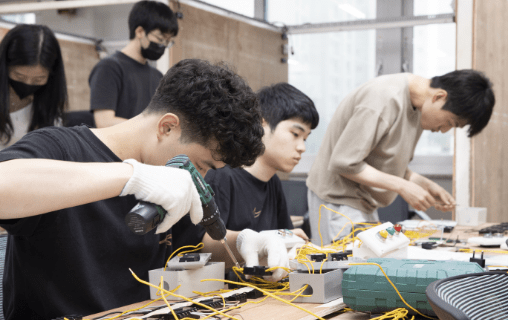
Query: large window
x=326, y=66
x=28, y=18
x=244, y=7
x=294, y=12
x=434, y=54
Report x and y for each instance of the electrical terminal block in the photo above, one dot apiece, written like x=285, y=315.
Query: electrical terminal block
x=339, y=260
x=190, y=257
x=318, y=257
x=189, y=261
x=340, y=256
x=213, y=302
x=183, y=312
x=335, y=256
x=239, y=297
x=258, y=271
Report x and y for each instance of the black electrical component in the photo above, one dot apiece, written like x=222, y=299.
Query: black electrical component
x=190, y=257
x=498, y=228
x=256, y=271
x=340, y=256
x=318, y=257
x=429, y=245
x=71, y=317
x=480, y=261
x=447, y=229
x=238, y=297
x=212, y=303
x=183, y=312
x=254, y=294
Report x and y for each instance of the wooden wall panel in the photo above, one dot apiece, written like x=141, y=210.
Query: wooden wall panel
x=255, y=52
x=79, y=59
x=489, y=150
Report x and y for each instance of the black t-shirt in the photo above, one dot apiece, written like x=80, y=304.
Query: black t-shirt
x=244, y=202
x=122, y=84
x=75, y=260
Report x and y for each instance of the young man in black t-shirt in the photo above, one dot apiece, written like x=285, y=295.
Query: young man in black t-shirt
x=69, y=250
x=122, y=84
x=252, y=197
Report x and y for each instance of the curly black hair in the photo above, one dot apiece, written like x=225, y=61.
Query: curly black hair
x=214, y=105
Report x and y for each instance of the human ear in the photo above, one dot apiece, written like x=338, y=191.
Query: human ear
x=440, y=94
x=140, y=32
x=166, y=124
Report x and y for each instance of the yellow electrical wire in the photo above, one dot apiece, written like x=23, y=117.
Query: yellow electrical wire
x=485, y=251
x=300, y=294
x=419, y=233
x=319, y=221
x=166, y=301
x=131, y=310
x=297, y=293
x=400, y=296
x=180, y=296
x=396, y=314
x=268, y=294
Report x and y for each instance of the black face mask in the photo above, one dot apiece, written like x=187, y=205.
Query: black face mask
x=153, y=52
x=22, y=89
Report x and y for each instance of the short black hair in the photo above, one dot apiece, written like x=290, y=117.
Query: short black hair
x=470, y=97
x=32, y=45
x=152, y=15
x=214, y=105
x=282, y=101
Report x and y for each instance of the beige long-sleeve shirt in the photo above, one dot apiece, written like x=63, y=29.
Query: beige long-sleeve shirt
x=375, y=124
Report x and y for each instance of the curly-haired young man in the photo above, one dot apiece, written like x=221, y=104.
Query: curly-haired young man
x=69, y=249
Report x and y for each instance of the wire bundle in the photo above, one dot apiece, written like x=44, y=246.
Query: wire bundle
x=274, y=289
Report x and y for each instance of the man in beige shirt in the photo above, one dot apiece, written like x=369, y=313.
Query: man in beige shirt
x=362, y=163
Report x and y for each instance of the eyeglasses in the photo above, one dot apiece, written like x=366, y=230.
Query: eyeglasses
x=163, y=43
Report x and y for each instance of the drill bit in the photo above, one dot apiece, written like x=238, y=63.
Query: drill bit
x=223, y=241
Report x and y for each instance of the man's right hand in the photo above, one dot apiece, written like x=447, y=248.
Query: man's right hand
x=416, y=196
x=171, y=188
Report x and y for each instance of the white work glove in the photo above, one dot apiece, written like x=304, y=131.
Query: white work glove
x=171, y=188
x=253, y=245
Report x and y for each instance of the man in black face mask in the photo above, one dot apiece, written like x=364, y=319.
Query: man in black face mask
x=122, y=84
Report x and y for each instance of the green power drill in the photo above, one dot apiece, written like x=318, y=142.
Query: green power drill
x=145, y=216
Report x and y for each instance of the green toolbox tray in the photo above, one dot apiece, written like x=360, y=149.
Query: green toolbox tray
x=365, y=287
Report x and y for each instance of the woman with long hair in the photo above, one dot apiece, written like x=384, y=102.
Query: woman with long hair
x=33, y=91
